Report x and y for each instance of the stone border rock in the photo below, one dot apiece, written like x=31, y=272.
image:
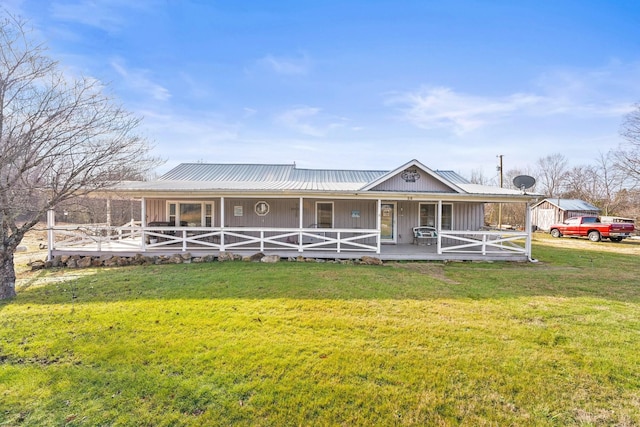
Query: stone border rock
x=79, y=261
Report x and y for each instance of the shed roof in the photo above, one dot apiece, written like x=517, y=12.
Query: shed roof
x=571, y=204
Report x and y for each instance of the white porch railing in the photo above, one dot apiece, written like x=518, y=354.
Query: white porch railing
x=134, y=237
x=484, y=242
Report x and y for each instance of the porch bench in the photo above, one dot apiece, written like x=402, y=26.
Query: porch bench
x=165, y=232
x=429, y=234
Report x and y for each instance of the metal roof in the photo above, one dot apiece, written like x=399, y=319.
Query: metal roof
x=572, y=204
x=228, y=172
x=265, y=177
x=453, y=177
x=284, y=177
x=279, y=173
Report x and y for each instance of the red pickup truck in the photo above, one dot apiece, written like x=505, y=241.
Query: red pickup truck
x=593, y=228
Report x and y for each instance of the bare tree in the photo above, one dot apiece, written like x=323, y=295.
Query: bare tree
x=552, y=173
x=60, y=138
x=514, y=213
x=611, y=180
x=478, y=177
x=628, y=154
x=598, y=184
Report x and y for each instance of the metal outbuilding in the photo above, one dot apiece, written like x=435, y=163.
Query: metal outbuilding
x=554, y=210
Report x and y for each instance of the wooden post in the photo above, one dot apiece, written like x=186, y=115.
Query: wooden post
x=527, y=228
x=51, y=222
x=109, y=212
x=379, y=226
x=500, y=204
x=221, y=212
x=300, y=223
x=439, y=228
x=221, y=224
x=143, y=224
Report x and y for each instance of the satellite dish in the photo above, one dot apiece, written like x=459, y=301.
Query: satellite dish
x=523, y=182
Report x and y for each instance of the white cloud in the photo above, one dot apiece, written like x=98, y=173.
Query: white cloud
x=310, y=121
x=249, y=112
x=299, y=120
x=608, y=91
x=188, y=136
x=195, y=87
x=286, y=65
x=139, y=80
x=441, y=107
x=108, y=15
x=13, y=6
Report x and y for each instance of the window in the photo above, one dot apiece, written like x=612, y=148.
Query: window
x=324, y=214
x=447, y=217
x=190, y=214
x=428, y=215
x=172, y=213
x=208, y=215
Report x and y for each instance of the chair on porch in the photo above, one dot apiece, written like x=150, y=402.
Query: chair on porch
x=428, y=234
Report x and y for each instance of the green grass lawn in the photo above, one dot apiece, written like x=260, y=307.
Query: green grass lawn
x=552, y=343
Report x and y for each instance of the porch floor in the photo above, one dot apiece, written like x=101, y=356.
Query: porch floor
x=388, y=252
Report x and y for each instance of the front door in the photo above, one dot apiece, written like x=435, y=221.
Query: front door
x=388, y=223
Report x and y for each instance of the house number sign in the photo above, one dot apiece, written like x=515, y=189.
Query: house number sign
x=262, y=208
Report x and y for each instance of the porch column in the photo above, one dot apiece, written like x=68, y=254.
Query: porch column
x=51, y=222
x=221, y=224
x=439, y=228
x=527, y=227
x=143, y=213
x=300, y=223
x=143, y=224
x=221, y=212
x=379, y=224
x=109, y=212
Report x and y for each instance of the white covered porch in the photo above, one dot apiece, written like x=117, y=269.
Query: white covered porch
x=134, y=238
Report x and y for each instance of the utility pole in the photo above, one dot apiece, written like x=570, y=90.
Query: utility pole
x=499, y=156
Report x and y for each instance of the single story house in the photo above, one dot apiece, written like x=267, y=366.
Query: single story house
x=554, y=210
x=410, y=212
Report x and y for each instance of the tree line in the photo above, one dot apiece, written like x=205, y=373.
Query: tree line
x=610, y=182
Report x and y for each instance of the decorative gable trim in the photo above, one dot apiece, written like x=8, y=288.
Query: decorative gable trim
x=413, y=176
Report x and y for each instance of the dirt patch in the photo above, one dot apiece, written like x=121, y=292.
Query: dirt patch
x=35, y=243
x=32, y=248
x=432, y=269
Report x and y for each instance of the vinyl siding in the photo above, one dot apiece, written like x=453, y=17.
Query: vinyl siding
x=466, y=216
x=342, y=213
x=283, y=213
x=425, y=183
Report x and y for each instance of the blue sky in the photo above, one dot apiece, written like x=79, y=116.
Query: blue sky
x=358, y=84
